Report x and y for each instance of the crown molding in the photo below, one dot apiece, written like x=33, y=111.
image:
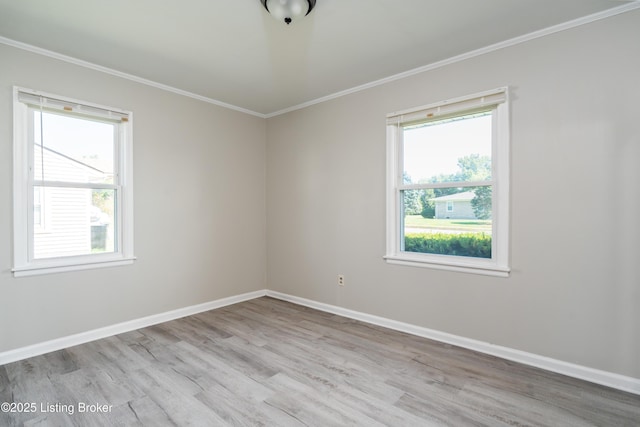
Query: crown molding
x=635, y=4
x=126, y=76
x=468, y=55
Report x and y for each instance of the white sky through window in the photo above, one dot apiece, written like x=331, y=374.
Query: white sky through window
x=434, y=149
x=87, y=141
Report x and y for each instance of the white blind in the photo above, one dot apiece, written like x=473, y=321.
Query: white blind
x=442, y=110
x=37, y=100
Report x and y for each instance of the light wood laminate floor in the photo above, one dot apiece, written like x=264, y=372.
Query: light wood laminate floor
x=267, y=362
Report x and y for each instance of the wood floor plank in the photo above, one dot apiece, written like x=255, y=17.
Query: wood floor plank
x=312, y=407
x=176, y=400
x=267, y=362
x=145, y=412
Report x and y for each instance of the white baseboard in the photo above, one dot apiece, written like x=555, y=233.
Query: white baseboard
x=609, y=379
x=132, y=325
x=597, y=376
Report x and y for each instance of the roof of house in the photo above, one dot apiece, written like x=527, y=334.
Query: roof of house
x=71, y=159
x=460, y=197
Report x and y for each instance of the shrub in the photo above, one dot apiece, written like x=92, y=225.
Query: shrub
x=476, y=245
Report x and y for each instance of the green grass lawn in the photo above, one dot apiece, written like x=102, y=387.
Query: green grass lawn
x=417, y=221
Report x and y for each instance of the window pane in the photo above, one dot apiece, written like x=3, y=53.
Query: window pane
x=451, y=150
x=448, y=221
x=79, y=221
x=37, y=207
x=72, y=149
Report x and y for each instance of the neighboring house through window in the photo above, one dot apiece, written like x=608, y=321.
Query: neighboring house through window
x=72, y=184
x=449, y=205
x=448, y=185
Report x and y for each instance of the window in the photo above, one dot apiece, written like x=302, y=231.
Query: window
x=72, y=184
x=449, y=206
x=448, y=185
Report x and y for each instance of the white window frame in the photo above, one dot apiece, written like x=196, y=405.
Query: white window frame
x=45, y=218
x=24, y=263
x=449, y=207
x=496, y=100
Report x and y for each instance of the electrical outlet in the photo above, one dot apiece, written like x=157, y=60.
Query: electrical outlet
x=340, y=279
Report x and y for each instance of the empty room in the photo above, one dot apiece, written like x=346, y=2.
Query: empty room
x=320, y=213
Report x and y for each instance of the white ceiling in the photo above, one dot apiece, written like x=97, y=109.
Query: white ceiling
x=233, y=52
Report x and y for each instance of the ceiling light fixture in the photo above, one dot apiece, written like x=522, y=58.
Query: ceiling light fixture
x=288, y=11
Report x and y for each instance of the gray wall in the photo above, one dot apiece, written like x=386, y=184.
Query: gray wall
x=199, y=176
x=574, y=292
x=199, y=173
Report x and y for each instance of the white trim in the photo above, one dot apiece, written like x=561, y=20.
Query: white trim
x=36, y=269
x=597, y=376
x=47, y=101
x=468, y=55
x=609, y=379
x=479, y=102
x=498, y=265
x=24, y=263
x=120, y=328
x=111, y=71
x=440, y=262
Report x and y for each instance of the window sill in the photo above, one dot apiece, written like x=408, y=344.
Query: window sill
x=448, y=263
x=58, y=267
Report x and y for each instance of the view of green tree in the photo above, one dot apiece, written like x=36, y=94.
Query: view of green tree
x=481, y=203
x=427, y=203
x=451, y=237
x=103, y=199
x=412, y=205
x=478, y=168
x=474, y=168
